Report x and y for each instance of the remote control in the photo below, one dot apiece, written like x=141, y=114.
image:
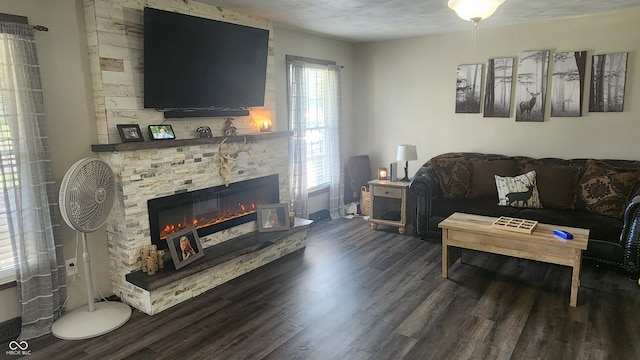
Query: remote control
x=563, y=234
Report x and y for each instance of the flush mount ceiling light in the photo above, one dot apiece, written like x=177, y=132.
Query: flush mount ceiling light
x=474, y=10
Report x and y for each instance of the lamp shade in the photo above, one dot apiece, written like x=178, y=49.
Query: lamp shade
x=407, y=153
x=474, y=10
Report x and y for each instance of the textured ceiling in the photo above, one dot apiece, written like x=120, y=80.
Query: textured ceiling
x=371, y=20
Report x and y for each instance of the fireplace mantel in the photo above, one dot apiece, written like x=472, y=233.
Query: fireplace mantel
x=159, y=144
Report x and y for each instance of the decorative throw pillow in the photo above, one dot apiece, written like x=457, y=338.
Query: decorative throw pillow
x=605, y=189
x=519, y=191
x=556, y=184
x=453, y=176
x=482, y=176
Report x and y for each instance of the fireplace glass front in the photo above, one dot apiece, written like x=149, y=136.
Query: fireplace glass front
x=210, y=210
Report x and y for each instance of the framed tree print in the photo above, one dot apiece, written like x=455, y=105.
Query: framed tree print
x=497, y=92
x=567, y=83
x=468, y=87
x=608, y=74
x=532, y=81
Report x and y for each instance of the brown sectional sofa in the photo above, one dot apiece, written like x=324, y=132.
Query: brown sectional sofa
x=600, y=195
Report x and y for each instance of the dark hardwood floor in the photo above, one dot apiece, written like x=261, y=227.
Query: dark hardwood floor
x=358, y=293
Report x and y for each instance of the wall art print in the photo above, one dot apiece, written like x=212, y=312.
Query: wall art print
x=567, y=83
x=532, y=81
x=608, y=75
x=468, y=88
x=497, y=93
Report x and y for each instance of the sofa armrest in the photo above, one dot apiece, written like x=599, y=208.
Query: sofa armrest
x=425, y=185
x=424, y=182
x=630, y=237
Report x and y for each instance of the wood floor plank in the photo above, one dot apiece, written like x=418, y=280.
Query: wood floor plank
x=395, y=348
x=358, y=293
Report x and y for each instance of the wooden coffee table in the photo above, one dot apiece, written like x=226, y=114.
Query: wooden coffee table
x=465, y=231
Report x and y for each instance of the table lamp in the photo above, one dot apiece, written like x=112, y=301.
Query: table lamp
x=406, y=153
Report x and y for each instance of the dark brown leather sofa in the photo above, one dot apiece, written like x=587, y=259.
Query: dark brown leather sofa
x=600, y=195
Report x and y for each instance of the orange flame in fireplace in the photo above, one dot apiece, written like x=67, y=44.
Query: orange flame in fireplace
x=205, y=221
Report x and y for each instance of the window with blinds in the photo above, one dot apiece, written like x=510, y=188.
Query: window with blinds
x=317, y=134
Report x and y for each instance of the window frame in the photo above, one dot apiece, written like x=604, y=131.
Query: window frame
x=319, y=64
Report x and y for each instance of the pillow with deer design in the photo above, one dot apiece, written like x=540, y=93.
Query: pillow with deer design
x=518, y=191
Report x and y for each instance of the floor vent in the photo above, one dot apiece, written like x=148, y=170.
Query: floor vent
x=320, y=215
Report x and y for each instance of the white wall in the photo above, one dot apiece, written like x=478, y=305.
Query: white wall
x=406, y=93
x=288, y=42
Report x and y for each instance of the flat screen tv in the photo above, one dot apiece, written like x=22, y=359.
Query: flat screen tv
x=196, y=63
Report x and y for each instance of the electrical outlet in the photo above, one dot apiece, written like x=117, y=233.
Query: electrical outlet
x=72, y=267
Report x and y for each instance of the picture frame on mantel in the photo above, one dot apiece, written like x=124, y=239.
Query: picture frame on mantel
x=161, y=132
x=185, y=247
x=129, y=132
x=273, y=217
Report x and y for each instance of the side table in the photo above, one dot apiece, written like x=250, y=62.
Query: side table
x=391, y=202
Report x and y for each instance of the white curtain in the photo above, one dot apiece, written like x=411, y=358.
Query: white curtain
x=298, y=90
x=30, y=203
x=298, y=94
x=334, y=111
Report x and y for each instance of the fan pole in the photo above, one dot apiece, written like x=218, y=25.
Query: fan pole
x=87, y=273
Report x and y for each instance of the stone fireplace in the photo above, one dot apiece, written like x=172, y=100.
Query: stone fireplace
x=154, y=169
x=146, y=174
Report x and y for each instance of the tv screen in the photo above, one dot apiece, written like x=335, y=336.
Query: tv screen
x=197, y=63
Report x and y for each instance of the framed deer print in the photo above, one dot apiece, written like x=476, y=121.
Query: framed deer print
x=567, y=83
x=497, y=92
x=468, y=87
x=608, y=75
x=532, y=81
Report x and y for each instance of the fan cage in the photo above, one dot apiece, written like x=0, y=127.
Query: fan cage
x=87, y=194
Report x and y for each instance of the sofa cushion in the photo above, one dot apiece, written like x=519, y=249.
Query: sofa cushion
x=453, y=176
x=556, y=184
x=605, y=189
x=483, y=183
x=519, y=191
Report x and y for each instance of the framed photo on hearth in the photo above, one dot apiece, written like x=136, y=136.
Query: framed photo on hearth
x=130, y=132
x=185, y=247
x=273, y=217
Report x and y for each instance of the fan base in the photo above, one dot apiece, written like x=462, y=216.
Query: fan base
x=81, y=324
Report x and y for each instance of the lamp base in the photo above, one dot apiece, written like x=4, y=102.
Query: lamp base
x=406, y=173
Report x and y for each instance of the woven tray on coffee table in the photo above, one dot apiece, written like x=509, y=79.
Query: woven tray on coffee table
x=515, y=224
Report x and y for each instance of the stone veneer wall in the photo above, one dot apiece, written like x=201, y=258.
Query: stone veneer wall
x=115, y=46
x=116, y=57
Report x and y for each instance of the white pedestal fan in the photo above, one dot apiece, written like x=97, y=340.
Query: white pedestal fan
x=86, y=198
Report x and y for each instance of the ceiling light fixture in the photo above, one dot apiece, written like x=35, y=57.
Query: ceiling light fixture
x=474, y=10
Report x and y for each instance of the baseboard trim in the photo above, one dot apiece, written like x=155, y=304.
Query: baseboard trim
x=10, y=329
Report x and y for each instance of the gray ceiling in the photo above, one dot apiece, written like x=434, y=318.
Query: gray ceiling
x=372, y=20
